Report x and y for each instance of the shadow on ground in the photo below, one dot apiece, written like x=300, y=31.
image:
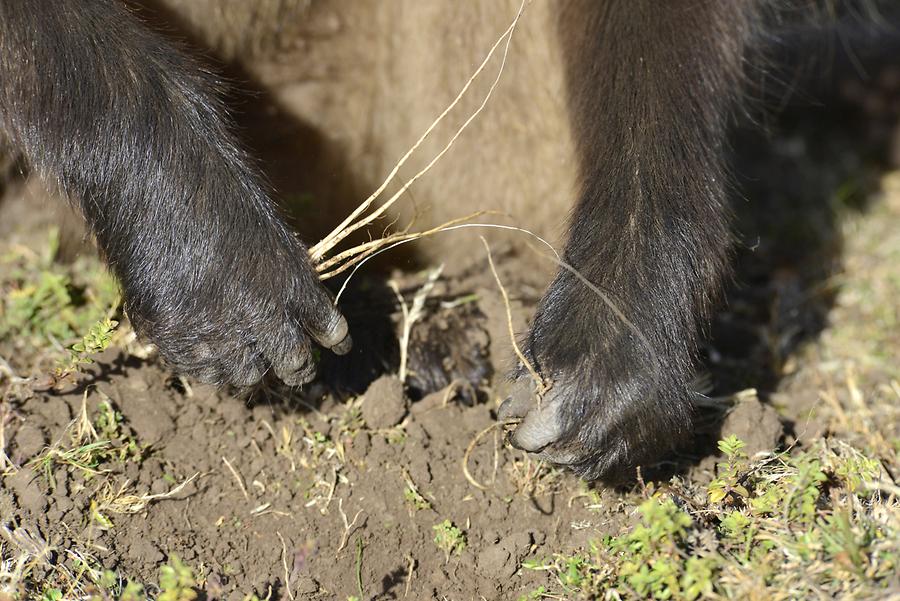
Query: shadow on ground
x=828, y=134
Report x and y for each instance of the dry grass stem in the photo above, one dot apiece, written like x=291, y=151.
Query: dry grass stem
x=352, y=256
x=410, y=573
x=540, y=384
x=237, y=478
x=7, y=371
x=349, y=526
x=355, y=220
x=411, y=485
x=412, y=313
x=84, y=429
x=130, y=504
x=287, y=572
x=883, y=486
x=447, y=228
x=470, y=448
x=6, y=464
x=455, y=386
x=331, y=488
x=32, y=546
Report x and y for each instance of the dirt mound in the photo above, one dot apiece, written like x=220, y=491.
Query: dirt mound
x=305, y=501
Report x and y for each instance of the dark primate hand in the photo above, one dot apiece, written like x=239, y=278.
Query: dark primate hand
x=134, y=130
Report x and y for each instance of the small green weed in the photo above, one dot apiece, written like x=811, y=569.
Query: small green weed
x=729, y=473
x=812, y=513
x=176, y=581
x=45, y=306
x=52, y=594
x=415, y=500
x=95, y=445
x=538, y=593
x=113, y=588
x=95, y=341
x=449, y=539
x=85, y=458
x=320, y=447
x=87, y=580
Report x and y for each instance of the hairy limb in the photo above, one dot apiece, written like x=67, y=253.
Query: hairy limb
x=133, y=129
x=651, y=85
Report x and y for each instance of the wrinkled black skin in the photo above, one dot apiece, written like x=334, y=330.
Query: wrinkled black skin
x=133, y=129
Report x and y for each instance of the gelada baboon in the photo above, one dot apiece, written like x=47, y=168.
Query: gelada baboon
x=621, y=106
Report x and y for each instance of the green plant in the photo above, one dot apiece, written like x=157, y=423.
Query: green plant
x=176, y=581
x=652, y=554
x=414, y=499
x=44, y=304
x=95, y=341
x=52, y=594
x=729, y=473
x=86, y=458
x=109, y=425
x=449, y=539
x=41, y=307
x=113, y=589
x=95, y=443
x=537, y=593
x=132, y=592
x=803, y=521
x=855, y=470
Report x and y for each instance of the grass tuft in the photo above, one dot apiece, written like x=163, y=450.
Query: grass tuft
x=798, y=524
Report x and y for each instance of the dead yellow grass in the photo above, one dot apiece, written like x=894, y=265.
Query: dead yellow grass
x=370, y=210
